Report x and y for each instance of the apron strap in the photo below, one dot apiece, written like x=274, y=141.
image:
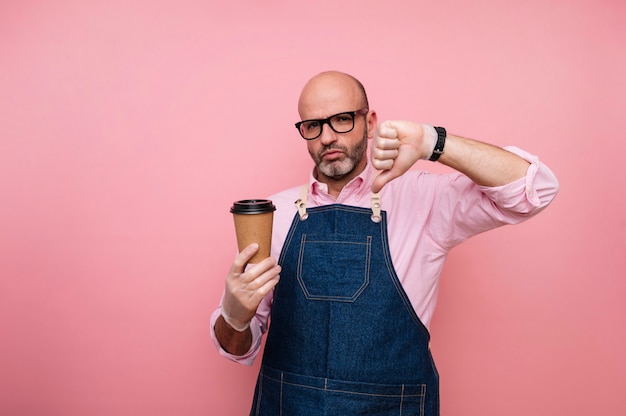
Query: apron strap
x=301, y=202
x=304, y=193
x=376, y=217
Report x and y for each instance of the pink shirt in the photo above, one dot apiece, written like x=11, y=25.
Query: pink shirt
x=427, y=215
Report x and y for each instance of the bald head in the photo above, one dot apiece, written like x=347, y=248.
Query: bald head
x=330, y=93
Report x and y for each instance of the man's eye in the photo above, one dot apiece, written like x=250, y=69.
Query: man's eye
x=342, y=119
x=311, y=125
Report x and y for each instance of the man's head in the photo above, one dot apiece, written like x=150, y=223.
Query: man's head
x=339, y=157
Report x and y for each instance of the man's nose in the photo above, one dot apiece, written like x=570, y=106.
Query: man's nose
x=328, y=134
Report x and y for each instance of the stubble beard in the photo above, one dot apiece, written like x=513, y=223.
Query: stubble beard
x=339, y=169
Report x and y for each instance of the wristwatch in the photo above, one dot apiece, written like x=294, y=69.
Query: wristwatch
x=441, y=142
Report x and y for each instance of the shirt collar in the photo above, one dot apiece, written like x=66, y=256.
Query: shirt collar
x=356, y=188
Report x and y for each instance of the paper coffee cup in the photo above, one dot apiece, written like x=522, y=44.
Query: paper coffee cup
x=253, y=224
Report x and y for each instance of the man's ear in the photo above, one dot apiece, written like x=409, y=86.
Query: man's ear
x=372, y=123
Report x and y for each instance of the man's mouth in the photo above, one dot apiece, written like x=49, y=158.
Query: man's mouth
x=332, y=154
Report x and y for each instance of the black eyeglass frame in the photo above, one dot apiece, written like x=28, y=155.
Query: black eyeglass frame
x=362, y=111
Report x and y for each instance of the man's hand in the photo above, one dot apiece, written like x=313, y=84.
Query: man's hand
x=397, y=145
x=246, y=289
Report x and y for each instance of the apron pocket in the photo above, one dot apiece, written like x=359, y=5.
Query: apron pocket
x=335, y=267
x=291, y=394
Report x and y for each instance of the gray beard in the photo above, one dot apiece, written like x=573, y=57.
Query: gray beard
x=341, y=169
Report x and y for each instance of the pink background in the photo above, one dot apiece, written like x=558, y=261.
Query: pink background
x=127, y=128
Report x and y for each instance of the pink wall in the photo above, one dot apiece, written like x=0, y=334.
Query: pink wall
x=127, y=128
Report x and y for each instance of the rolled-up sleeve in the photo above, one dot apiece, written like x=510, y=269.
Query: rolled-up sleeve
x=462, y=208
x=258, y=326
x=527, y=195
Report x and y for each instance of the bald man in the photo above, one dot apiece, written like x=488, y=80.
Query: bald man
x=352, y=281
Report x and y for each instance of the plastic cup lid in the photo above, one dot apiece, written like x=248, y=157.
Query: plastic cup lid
x=252, y=206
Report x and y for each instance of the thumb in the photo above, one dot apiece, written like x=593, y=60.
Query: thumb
x=382, y=179
x=406, y=158
x=243, y=257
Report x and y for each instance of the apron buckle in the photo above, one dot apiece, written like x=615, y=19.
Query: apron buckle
x=376, y=217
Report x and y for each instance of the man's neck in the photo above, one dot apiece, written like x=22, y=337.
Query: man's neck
x=335, y=185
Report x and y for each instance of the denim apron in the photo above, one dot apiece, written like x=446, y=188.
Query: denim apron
x=344, y=339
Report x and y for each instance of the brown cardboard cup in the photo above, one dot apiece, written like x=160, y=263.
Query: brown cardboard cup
x=253, y=224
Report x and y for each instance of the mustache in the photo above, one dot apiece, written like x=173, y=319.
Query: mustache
x=332, y=146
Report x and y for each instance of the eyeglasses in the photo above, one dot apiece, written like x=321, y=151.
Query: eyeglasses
x=340, y=123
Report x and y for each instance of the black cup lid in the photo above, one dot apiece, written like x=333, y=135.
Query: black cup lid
x=252, y=206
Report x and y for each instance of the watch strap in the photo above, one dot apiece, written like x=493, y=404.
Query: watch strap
x=441, y=142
